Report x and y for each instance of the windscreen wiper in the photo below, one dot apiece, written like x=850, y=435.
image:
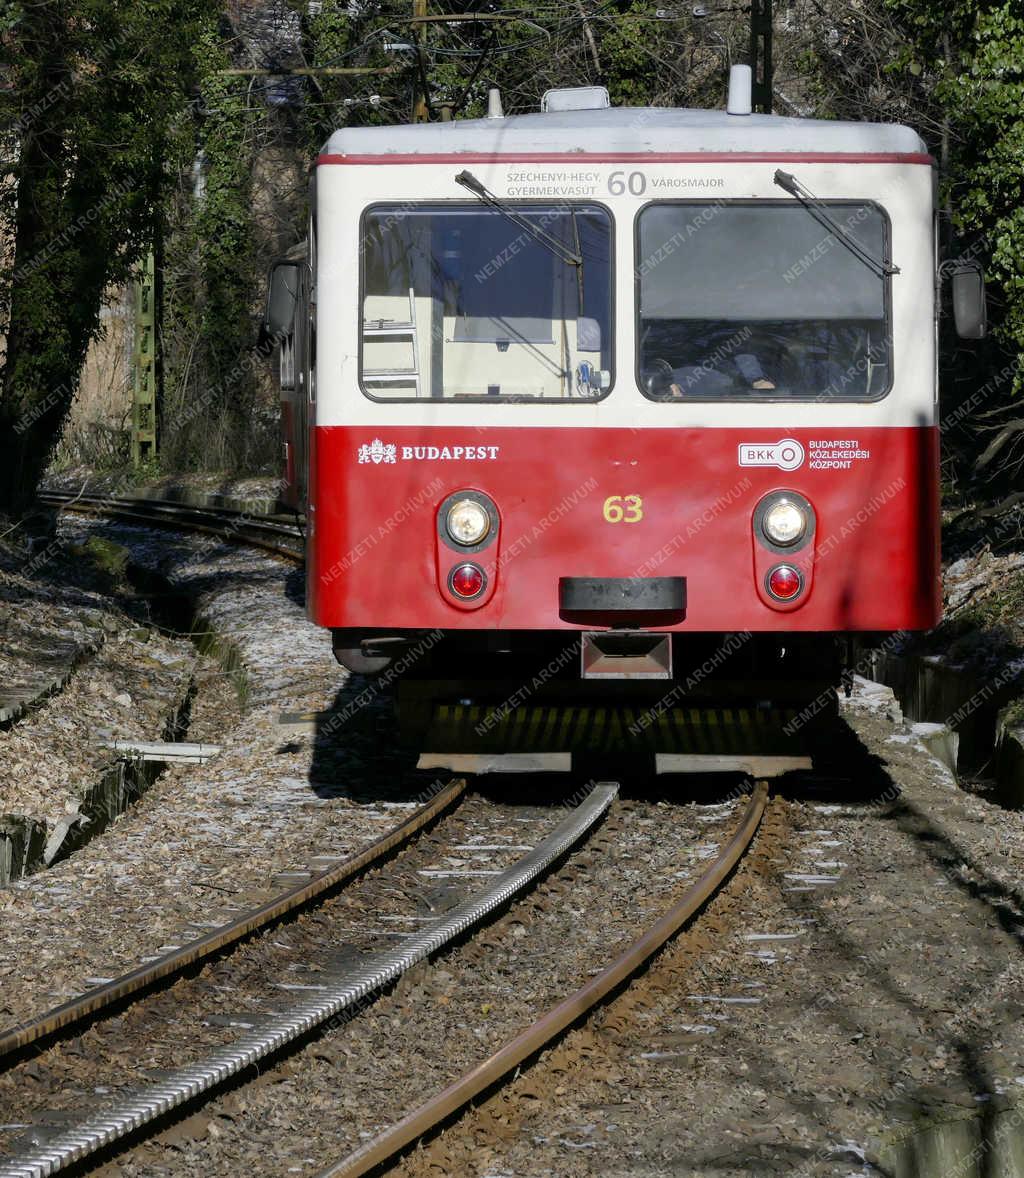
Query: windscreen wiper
x=817, y=208
x=552, y=244
x=579, y=268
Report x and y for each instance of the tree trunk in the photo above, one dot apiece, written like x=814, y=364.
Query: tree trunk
x=24, y=454
x=39, y=374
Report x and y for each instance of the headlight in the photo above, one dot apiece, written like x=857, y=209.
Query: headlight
x=784, y=523
x=467, y=522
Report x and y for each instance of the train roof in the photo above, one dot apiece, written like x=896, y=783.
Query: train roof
x=628, y=130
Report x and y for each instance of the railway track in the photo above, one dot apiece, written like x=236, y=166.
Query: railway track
x=544, y=1031
x=278, y=535
x=333, y=996
x=89, y=1005
x=141, y=1108
x=334, y=999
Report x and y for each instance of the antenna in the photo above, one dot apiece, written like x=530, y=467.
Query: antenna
x=739, y=90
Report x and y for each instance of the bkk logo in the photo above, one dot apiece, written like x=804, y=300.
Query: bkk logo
x=786, y=455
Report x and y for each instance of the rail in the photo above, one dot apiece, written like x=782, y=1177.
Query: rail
x=435, y=1111
x=343, y=996
x=174, y=963
x=231, y=525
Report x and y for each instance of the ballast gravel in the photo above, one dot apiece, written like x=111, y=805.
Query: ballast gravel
x=443, y=1018
x=285, y=964
x=130, y=689
x=87, y=673
x=209, y=840
x=860, y=980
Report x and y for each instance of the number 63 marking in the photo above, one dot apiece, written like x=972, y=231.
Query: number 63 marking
x=619, y=509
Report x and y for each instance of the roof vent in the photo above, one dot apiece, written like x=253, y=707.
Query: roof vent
x=741, y=78
x=575, y=98
x=494, y=110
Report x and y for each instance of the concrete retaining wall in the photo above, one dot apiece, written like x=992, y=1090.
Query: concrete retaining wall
x=971, y=705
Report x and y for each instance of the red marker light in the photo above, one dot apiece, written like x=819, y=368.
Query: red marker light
x=466, y=580
x=784, y=582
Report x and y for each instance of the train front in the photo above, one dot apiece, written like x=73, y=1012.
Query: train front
x=624, y=422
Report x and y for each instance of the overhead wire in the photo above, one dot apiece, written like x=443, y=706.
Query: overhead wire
x=546, y=35
x=487, y=52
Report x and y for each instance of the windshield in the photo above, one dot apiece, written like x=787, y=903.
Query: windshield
x=761, y=301
x=460, y=303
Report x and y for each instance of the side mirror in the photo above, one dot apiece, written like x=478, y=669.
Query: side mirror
x=969, y=313
x=282, y=299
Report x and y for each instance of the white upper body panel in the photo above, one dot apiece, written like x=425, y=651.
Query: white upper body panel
x=904, y=189
x=622, y=130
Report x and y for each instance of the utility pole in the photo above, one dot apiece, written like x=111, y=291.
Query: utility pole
x=588, y=32
x=761, y=55
x=144, y=375
x=420, y=107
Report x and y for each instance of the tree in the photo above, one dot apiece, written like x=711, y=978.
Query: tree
x=971, y=56
x=211, y=274
x=955, y=72
x=95, y=87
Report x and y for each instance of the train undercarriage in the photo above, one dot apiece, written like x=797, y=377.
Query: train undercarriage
x=535, y=700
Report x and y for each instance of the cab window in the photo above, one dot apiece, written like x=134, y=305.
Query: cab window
x=752, y=301
x=462, y=303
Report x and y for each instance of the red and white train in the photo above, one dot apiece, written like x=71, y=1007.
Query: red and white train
x=594, y=394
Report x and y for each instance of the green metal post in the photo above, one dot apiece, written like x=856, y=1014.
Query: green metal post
x=144, y=365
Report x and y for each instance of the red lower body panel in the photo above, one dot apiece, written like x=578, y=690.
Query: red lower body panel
x=618, y=503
